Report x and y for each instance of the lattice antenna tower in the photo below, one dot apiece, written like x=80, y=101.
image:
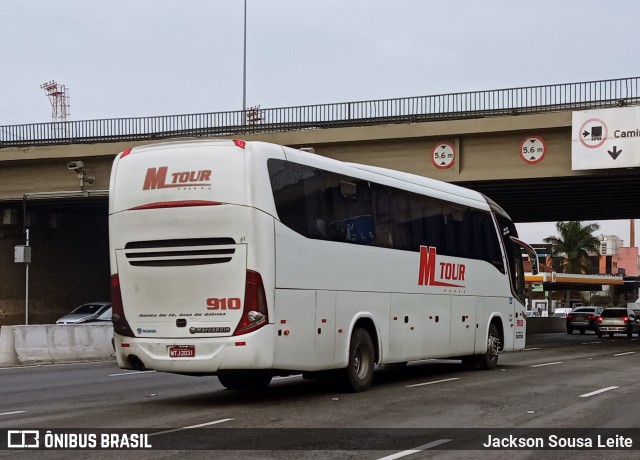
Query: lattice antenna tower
x=59, y=98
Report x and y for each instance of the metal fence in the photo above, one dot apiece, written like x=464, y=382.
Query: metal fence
x=511, y=101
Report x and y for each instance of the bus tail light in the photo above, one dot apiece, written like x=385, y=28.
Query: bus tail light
x=125, y=153
x=120, y=323
x=254, y=313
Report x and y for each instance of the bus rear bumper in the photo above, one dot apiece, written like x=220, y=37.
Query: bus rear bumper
x=210, y=355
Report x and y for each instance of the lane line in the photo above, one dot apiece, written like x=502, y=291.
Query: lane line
x=74, y=363
x=431, y=383
x=415, y=450
x=625, y=353
x=287, y=377
x=215, y=422
x=130, y=373
x=14, y=412
x=597, y=392
x=547, y=364
x=530, y=349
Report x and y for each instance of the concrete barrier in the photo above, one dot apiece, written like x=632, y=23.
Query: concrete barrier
x=545, y=325
x=8, y=356
x=53, y=343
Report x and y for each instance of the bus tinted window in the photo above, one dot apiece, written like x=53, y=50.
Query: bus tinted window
x=323, y=205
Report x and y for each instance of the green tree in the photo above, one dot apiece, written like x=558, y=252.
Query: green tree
x=570, y=250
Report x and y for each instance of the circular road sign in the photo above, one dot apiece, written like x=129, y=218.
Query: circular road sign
x=443, y=155
x=533, y=149
x=593, y=133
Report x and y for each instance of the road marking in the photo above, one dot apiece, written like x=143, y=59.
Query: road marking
x=530, y=349
x=547, y=364
x=589, y=343
x=130, y=373
x=215, y=422
x=415, y=450
x=287, y=377
x=625, y=353
x=14, y=412
x=75, y=363
x=19, y=367
x=431, y=383
x=597, y=392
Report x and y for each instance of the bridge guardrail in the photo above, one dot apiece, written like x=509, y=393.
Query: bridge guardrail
x=501, y=102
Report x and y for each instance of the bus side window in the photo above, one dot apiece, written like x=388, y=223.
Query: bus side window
x=383, y=229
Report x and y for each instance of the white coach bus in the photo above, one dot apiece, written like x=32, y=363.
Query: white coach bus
x=248, y=260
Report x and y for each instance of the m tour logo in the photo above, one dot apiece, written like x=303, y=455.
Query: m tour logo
x=444, y=271
x=159, y=178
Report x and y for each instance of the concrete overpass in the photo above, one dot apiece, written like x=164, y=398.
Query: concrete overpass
x=488, y=160
x=69, y=228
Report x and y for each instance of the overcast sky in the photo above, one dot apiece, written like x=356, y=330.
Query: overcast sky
x=128, y=58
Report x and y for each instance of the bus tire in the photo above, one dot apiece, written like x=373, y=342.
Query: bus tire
x=246, y=381
x=490, y=359
x=358, y=374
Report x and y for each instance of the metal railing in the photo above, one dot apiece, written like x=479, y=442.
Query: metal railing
x=511, y=101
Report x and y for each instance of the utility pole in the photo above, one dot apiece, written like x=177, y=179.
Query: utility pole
x=244, y=68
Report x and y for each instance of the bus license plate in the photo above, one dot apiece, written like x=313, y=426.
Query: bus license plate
x=182, y=351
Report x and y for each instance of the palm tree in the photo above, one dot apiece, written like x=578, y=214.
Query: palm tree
x=570, y=250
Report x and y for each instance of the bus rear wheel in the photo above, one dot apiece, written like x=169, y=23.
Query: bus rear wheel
x=358, y=375
x=247, y=381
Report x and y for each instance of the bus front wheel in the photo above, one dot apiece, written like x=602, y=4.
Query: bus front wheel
x=358, y=375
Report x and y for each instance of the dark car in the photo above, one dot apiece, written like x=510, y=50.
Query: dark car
x=618, y=320
x=94, y=311
x=584, y=319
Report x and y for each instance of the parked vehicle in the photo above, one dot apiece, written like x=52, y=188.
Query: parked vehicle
x=583, y=319
x=105, y=316
x=561, y=312
x=618, y=320
x=94, y=311
x=533, y=314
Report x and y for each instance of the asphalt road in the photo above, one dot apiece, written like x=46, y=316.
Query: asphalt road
x=573, y=386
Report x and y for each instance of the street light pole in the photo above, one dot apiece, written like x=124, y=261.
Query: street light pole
x=244, y=69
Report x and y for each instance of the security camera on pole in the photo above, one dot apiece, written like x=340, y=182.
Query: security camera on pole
x=78, y=167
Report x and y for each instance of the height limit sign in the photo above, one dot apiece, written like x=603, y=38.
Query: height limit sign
x=533, y=149
x=443, y=155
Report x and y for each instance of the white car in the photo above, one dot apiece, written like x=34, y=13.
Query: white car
x=94, y=311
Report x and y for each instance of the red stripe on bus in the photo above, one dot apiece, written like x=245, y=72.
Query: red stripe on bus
x=175, y=204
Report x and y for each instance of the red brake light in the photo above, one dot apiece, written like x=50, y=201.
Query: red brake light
x=255, y=313
x=125, y=153
x=599, y=319
x=120, y=324
x=626, y=319
x=592, y=316
x=240, y=143
x=569, y=316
